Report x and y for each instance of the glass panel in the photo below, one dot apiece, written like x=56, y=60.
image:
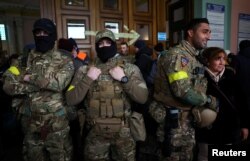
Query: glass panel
x=110, y=4
x=76, y=29
x=75, y=3
x=2, y=32
x=143, y=30
x=141, y=5
x=113, y=26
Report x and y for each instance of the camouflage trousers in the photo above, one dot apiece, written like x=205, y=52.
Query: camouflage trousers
x=181, y=140
x=48, y=143
x=119, y=146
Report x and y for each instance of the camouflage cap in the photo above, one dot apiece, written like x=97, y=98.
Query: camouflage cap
x=105, y=33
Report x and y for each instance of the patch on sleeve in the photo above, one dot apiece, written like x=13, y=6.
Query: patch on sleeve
x=184, y=61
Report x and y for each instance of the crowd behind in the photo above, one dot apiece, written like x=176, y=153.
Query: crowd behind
x=157, y=104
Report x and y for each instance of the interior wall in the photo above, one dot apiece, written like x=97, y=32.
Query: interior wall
x=201, y=11
x=18, y=28
x=233, y=9
x=27, y=27
x=241, y=6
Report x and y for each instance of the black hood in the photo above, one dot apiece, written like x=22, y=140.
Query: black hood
x=144, y=50
x=245, y=52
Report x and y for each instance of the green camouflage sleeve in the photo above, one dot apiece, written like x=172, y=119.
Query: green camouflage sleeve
x=13, y=83
x=178, y=69
x=136, y=87
x=56, y=76
x=78, y=87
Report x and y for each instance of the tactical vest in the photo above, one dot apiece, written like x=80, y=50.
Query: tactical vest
x=107, y=105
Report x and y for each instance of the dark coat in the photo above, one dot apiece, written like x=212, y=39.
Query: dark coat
x=226, y=128
x=144, y=61
x=243, y=80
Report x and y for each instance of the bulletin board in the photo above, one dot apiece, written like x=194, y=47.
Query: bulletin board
x=244, y=27
x=216, y=17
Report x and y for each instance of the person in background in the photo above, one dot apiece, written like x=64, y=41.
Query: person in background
x=75, y=126
x=124, y=49
x=229, y=126
x=179, y=87
x=11, y=135
x=107, y=88
x=159, y=49
x=159, y=52
x=143, y=59
x=80, y=58
x=124, y=53
x=242, y=66
x=43, y=82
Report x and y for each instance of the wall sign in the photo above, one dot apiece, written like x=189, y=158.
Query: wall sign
x=216, y=17
x=244, y=27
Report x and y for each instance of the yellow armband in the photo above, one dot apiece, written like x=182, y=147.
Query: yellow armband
x=71, y=87
x=177, y=76
x=14, y=70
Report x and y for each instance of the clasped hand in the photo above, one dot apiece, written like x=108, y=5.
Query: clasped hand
x=117, y=73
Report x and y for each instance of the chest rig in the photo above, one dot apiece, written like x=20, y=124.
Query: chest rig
x=107, y=101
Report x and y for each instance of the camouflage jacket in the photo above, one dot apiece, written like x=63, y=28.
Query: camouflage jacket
x=81, y=86
x=50, y=72
x=180, y=80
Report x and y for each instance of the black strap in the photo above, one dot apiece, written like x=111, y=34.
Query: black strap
x=224, y=96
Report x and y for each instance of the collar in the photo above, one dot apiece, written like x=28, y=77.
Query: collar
x=217, y=77
x=191, y=50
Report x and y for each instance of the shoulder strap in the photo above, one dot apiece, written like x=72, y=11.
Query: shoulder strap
x=224, y=96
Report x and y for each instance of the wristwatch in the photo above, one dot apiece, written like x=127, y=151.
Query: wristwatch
x=124, y=79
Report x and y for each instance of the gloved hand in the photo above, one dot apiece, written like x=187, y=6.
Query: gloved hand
x=212, y=103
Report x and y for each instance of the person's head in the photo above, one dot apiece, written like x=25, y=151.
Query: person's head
x=75, y=50
x=215, y=59
x=105, y=45
x=45, y=35
x=139, y=44
x=68, y=45
x=65, y=44
x=124, y=48
x=244, y=44
x=198, y=32
x=158, y=48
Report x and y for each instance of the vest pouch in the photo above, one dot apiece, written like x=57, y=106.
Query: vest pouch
x=103, y=109
x=109, y=109
x=117, y=107
x=108, y=125
x=94, y=108
x=137, y=126
x=107, y=90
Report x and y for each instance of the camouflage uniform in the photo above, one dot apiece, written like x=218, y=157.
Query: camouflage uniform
x=108, y=110
x=179, y=86
x=47, y=131
x=128, y=58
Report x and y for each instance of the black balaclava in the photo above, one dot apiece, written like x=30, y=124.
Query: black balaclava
x=45, y=43
x=106, y=52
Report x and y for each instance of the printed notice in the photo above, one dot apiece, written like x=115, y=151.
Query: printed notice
x=216, y=17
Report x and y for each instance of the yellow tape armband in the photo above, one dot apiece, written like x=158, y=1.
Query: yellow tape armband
x=14, y=70
x=177, y=76
x=71, y=87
